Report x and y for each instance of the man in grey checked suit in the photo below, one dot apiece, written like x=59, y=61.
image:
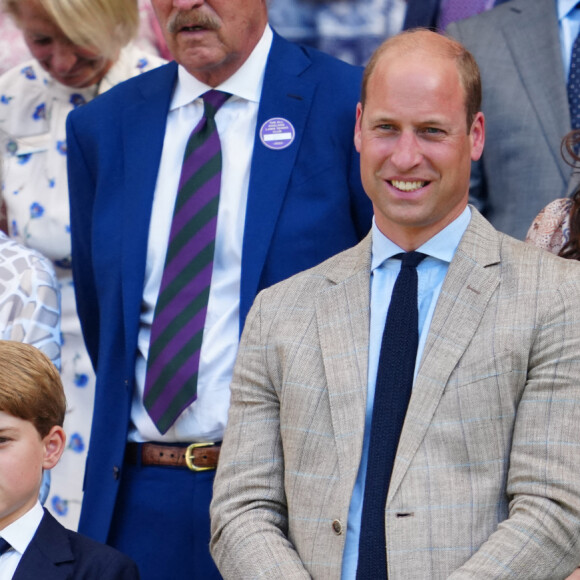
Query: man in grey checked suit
x=521, y=48
x=485, y=481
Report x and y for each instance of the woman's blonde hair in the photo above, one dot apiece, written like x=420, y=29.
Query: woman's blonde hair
x=104, y=26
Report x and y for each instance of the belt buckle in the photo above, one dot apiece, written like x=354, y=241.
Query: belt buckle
x=190, y=456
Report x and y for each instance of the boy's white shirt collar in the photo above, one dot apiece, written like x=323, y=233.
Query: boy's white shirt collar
x=20, y=533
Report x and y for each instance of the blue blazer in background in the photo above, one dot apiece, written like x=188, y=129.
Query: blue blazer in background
x=305, y=203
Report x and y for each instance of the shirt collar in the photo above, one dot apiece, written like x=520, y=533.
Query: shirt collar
x=441, y=246
x=565, y=8
x=20, y=533
x=245, y=83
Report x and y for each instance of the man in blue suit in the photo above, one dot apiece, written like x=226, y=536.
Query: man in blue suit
x=290, y=196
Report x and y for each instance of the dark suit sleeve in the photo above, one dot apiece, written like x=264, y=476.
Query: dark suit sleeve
x=421, y=13
x=81, y=193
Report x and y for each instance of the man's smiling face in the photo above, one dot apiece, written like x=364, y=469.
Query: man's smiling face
x=416, y=150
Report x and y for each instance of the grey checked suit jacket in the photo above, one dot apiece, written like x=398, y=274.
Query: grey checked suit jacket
x=517, y=47
x=486, y=481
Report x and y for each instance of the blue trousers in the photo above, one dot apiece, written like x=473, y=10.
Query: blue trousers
x=162, y=522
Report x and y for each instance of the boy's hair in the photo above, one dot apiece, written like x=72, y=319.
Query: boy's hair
x=30, y=386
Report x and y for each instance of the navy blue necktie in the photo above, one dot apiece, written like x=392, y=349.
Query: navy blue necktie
x=574, y=84
x=392, y=393
x=4, y=546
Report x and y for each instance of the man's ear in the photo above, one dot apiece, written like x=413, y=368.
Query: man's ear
x=477, y=136
x=54, y=444
x=357, y=127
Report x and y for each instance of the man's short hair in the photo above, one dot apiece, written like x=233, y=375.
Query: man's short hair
x=432, y=42
x=30, y=386
x=104, y=26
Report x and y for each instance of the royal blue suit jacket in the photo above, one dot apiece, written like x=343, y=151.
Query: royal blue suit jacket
x=56, y=553
x=305, y=203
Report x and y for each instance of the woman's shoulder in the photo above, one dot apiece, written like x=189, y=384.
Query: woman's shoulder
x=132, y=62
x=22, y=98
x=550, y=229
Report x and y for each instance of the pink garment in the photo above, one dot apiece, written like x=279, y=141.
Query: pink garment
x=13, y=50
x=150, y=36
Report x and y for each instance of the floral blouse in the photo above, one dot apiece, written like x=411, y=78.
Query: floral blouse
x=551, y=228
x=33, y=111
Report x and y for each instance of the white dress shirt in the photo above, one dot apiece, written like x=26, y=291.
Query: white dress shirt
x=19, y=534
x=236, y=121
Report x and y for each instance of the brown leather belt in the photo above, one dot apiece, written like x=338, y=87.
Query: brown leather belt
x=197, y=456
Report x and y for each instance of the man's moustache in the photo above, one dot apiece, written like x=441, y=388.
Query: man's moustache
x=191, y=20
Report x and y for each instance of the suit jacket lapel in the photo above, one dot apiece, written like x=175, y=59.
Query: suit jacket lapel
x=49, y=546
x=535, y=48
x=284, y=94
x=470, y=282
x=342, y=314
x=143, y=133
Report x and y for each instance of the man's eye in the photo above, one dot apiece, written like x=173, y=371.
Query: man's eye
x=432, y=131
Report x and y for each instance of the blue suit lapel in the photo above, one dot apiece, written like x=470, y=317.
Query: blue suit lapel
x=284, y=94
x=143, y=135
x=49, y=547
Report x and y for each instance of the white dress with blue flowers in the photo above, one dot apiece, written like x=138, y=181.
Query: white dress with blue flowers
x=33, y=111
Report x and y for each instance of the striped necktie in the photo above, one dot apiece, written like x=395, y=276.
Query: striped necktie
x=180, y=312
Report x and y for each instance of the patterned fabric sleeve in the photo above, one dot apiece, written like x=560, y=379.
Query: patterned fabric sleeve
x=551, y=228
x=29, y=299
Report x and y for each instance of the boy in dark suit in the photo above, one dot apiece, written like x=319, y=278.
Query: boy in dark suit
x=32, y=543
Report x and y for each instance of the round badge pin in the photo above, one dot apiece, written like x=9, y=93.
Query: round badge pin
x=277, y=133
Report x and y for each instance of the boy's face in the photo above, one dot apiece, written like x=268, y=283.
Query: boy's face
x=23, y=456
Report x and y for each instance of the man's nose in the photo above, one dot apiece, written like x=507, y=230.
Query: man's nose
x=407, y=152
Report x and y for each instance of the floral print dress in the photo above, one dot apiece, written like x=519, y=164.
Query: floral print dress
x=33, y=111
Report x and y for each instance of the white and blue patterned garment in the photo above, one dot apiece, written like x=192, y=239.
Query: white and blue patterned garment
x=33, y=111
x=350, y=30
x=29, y=299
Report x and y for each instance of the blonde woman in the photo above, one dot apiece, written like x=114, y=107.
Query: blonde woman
x=81, y=48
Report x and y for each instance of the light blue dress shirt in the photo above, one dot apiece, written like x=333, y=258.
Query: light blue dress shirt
x=569, y=19
x=440, y=250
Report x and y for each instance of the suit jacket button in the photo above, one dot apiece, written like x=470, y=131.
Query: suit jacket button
x=116, y=472
x=337, y=527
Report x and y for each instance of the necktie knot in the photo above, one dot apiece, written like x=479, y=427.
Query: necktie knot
x=410, y=259
x=212, y=101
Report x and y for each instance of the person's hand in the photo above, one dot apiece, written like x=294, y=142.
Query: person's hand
x=575, y=575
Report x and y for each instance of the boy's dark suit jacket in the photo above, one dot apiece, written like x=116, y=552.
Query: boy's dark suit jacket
x=56, y=553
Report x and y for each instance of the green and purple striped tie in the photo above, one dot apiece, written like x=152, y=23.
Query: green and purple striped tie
x=180, y=312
